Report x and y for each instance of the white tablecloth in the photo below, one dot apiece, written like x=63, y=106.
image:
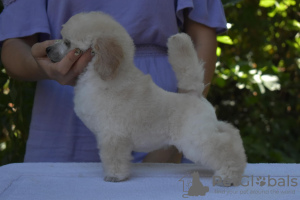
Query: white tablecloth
x=84, y=181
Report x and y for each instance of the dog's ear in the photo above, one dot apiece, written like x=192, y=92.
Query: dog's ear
x=109, y=55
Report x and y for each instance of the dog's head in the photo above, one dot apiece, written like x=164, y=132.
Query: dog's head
x=109, y=41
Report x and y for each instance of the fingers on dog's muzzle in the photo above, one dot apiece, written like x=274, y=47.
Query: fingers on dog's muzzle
x=48, y=49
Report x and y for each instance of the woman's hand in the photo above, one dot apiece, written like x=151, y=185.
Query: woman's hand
x=25, y=59
x=67, y=70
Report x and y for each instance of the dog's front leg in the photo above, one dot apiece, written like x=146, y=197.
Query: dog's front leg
x=115, y=154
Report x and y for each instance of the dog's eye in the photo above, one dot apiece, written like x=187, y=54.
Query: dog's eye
x=67, y=43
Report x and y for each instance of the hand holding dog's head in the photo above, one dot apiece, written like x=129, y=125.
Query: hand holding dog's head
x=96, y=30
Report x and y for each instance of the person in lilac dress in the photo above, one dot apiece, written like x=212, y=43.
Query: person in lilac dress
x=27, y=27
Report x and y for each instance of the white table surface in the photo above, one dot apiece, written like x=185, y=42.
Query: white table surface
x=73, y=181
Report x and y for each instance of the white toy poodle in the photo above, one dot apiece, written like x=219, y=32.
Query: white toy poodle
x=127, y=112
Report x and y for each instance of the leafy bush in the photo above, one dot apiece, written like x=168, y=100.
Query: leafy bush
x=15, y=113
x=256, y=84
x=16, y=100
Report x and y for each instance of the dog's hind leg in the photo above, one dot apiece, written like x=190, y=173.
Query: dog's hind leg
x=219, y=148
x=115, y=154
x=186, y=65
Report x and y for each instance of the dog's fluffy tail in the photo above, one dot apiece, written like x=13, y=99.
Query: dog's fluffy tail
x=186, y=65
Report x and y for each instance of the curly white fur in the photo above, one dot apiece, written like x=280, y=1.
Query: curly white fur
x=126, y=111
x=188, y=68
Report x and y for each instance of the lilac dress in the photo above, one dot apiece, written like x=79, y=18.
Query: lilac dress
x=56, y=133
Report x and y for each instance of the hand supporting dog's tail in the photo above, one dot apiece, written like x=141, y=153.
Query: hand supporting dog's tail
x=186, y=65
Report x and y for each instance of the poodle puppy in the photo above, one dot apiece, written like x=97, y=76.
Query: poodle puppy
x=127, y=112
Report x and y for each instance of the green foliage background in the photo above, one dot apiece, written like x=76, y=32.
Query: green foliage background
x=256, y=84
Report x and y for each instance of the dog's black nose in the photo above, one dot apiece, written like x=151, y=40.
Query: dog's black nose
x=48, y=49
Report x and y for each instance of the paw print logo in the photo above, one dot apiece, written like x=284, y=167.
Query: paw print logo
x=260, y=181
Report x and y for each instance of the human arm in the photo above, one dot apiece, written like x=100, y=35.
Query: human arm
x=205, y=42
x=25, y=59
x=18, y=61
x=166, y=155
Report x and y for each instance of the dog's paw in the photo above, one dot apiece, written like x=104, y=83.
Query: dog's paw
x=114, y=179
x=225, y=182
x=227, y=178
